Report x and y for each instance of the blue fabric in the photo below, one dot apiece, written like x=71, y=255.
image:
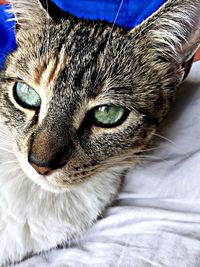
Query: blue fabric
x=7, y=34
x=130, y=13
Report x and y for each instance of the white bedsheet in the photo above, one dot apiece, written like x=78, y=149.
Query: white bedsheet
x=156, y=220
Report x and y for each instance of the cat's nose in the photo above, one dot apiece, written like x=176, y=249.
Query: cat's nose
x=50, y=148
x=41, y=170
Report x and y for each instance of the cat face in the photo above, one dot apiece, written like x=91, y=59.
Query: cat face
x=81, y=98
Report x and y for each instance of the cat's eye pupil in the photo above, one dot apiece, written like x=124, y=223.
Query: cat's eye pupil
x=26, y=96
x=109, y=115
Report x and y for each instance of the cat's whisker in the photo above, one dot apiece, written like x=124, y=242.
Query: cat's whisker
x=108, y=163
x=10, y=171
x=47, y=26
x=6, y=143
x=121, y=161
x=129, y=160
x=127, y=44
x=7, y=150
x=6, y=138
x=145, y=157
x=2, y=133
x=149, y=149
x=108, y=42
x=11, y=19
x=180, y=149
x=6, y=133
x=164, y=138
x=9, y=182
x=8, y=162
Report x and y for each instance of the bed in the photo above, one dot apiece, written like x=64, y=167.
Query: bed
x=155, y=220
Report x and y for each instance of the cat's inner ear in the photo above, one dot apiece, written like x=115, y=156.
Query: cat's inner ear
x=29, y=14
x=173, y=33
x=177, y=30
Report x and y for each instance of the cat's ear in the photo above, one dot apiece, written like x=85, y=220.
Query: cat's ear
x=29, y=14
x=173, y=33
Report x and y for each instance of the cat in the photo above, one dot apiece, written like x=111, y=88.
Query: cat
x=79, y=101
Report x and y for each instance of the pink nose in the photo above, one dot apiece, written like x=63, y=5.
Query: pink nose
x=41, y=170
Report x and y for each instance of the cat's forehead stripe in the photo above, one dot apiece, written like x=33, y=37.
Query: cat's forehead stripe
x=39, y=71
x=48, y=72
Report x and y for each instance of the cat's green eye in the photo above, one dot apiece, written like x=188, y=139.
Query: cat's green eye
x=109, y=116
x=26, y=96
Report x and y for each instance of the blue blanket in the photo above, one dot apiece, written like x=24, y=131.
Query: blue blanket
x=127, y=13
x=7, y=34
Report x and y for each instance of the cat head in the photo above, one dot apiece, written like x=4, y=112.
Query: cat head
x=82, y=97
